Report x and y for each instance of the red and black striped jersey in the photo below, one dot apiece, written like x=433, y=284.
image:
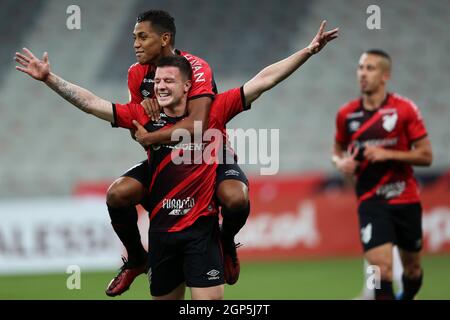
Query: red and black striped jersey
x=141, y=83
x=182, y=192
x=141, y=79
x=395, y=125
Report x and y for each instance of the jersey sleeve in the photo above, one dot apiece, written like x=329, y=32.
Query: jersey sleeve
x=228, y=104
x=203, y=84
x=341, y=135
x=415, y=126
x=124, y=114
x=133, y=85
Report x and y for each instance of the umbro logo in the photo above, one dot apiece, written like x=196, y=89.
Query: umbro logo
x=231, y=172
x=354, y=125
x=213, y=274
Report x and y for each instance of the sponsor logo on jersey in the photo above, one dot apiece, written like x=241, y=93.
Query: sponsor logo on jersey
x=179, y=207
x=376, y=142
x=391, y=190
x=355, y=115
x=197, y=68
x=187, y=146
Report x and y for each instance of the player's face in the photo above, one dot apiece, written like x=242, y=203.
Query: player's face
x=170, y=86
x=148, y=44
x=372, y=73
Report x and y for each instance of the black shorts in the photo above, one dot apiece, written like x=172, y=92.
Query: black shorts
x=400, y=224
x=230, y=171
x=192, y=256
x=141, y=173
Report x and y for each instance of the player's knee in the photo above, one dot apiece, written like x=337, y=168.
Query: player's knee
x=121, y=194
x=384, y=267
x=215, y=296
x=236, y=202
x=213, y=293
x=234, y=199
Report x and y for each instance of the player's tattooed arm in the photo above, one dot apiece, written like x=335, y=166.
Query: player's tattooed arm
x=81, y=98
x=270, y=76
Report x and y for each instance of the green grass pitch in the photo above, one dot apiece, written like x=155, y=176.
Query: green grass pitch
x=291, y=280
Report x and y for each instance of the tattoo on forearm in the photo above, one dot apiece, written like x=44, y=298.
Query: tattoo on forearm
x=70, y=92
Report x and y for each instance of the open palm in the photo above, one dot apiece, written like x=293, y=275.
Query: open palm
x=38, y=69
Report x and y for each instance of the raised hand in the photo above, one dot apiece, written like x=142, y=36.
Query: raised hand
x=322, y=38
x=38, y=69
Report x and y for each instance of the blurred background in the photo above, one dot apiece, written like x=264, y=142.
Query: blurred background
x=301, y=241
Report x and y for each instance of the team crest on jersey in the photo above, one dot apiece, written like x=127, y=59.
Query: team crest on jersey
x=366, y=233
x=389, y=121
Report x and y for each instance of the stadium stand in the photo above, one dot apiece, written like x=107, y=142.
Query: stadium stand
x=46, y=147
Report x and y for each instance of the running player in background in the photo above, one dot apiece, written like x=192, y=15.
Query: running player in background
x=177, y=257
x=378, y=138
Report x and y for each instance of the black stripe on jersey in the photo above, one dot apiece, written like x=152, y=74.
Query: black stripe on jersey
x=114, y=123
x=170, y=175
x=244, y=103
x=371, y=176
x=162, y=220
x=201, y=96
x=192, y=179
x=147, y=87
